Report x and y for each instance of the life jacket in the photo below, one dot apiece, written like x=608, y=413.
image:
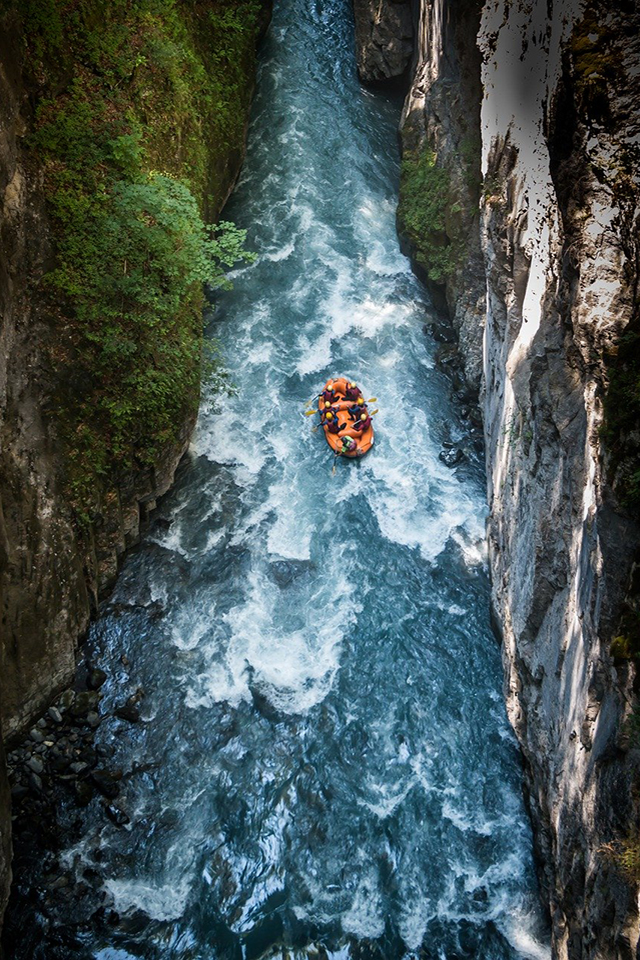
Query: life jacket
x=328, y=396
x=352, y=393
x=332, y=425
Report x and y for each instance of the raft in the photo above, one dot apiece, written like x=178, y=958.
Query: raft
x=364, y=441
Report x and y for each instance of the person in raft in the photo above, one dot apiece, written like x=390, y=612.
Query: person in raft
x=328, y=395
x=357, y=409
x=352, y=392
x=348, y=444
x=361, y=425
x=330, y=421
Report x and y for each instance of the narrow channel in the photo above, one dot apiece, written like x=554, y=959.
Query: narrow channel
x=324, y=765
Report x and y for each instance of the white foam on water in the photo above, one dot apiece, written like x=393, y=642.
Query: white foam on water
x=290, y=535
x=516, y=925
x=159, y=901
x=110, y=953
x=365, y=918
x=226, y=437
x=415, y=916
x=292, y=664
x=260, y=353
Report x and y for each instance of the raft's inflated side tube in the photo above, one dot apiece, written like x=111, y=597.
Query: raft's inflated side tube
x=364, y=441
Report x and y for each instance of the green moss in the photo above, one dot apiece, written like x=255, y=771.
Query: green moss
x=427, y=213
x=139, y=125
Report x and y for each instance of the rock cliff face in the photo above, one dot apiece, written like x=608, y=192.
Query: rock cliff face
x=441, y=120
x=558, y=236
x=51, y=574
x=384, y=38
x=562, y=286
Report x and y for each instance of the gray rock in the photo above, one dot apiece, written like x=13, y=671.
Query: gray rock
x=36, y=735
x=96, y=678
x=83, y=703
x=78, y=767
x=451, y=457
x=129, y=711
x=35, y=783
x=93, y=719
x=117, y=816
x=84, y=792
x=107, y=782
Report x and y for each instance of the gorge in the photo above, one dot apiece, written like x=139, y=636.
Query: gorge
x=319, y=761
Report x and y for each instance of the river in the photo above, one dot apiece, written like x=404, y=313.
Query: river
x=324, y=761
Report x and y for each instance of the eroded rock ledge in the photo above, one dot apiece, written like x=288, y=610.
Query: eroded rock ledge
x=554, y=249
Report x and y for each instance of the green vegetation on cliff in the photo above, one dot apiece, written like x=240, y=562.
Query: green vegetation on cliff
x=139, y=129
x=427, y=214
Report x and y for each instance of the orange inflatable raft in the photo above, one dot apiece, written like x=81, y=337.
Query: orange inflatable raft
x=363, y=440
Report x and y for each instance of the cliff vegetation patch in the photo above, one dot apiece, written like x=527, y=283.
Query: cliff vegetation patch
x=141, y=108
x=427, y=215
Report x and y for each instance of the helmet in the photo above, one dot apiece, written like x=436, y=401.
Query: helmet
x=363, y=416
x=330, y=386
x=329, y=416
x=349, y=384
x=360, y=400
x=327, y=405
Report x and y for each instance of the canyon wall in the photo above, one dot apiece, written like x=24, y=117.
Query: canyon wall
x=556, y=108
x=60, y=544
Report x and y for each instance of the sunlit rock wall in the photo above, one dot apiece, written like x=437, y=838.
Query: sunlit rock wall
x=561, y=287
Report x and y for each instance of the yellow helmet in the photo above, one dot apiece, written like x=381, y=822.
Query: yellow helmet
x=360, y=400
x=363, y=416
x=327, y=405
x=329, y=416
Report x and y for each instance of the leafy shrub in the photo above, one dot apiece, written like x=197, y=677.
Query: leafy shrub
x=424, y=215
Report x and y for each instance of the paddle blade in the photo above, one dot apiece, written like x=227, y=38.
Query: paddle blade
x=373, y=413
x=372, y=400
x=310, y=413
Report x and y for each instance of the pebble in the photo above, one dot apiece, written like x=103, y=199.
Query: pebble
x=93, y=719
x=117, y=816
x=79, y=767
x=55, y=714
x=35, y=764
x=36, y=735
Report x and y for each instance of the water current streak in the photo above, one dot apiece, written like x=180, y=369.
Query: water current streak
x=326, y=758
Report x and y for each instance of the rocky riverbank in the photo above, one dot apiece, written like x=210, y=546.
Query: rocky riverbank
x=60, y=767
x=519, y=202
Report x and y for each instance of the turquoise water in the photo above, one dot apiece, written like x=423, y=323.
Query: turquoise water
x=325, y=760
